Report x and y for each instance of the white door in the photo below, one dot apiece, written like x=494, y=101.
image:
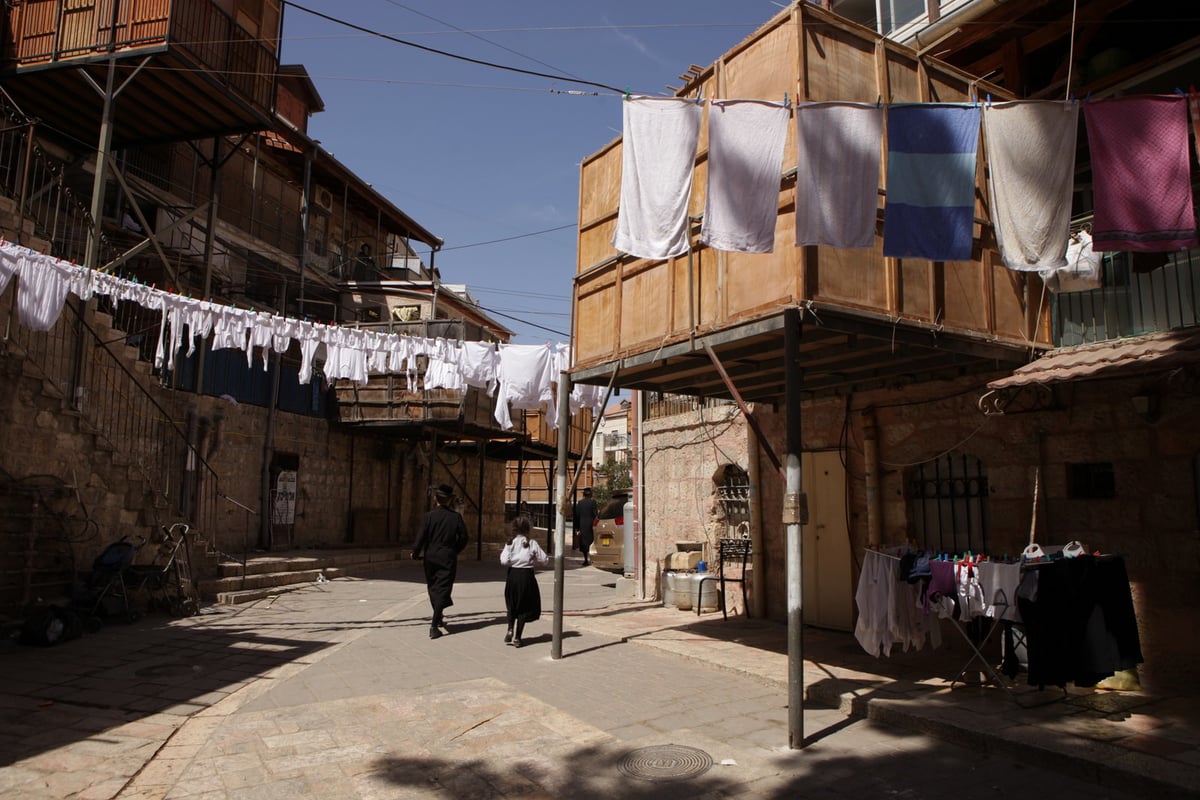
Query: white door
x=828, y=593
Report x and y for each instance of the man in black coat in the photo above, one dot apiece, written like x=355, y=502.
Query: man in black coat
x=585, y=518
x=442, y=537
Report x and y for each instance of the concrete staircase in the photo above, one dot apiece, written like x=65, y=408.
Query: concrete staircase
x=268, y=574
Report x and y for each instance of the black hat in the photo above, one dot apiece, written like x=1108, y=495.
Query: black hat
x=587, y=490
x=443, y=490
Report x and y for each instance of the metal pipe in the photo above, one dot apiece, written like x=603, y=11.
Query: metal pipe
x=560, y=525
x=793, y=521
x=871, y=471
x=102, y=156
x=268, y=450
x=304, y=222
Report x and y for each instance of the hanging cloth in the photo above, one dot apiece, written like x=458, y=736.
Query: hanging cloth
x=10, y=259
x=745, y=157
x=1194, y=111
x=1140, y=171
x=525, y=380
x=42, y=290
x=930, y=209
x=837, y=173
x=658, y=155
x=1031, y=159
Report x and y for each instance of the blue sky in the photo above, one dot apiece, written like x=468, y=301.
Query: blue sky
x=477, y=155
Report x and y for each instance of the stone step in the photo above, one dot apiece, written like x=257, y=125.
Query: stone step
x=309, y=560
x=269, y=575
x=262, y=580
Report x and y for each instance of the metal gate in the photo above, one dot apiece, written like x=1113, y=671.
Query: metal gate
x=948, y=504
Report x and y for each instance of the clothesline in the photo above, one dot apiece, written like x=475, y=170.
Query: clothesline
x=518, y=376
x=1134, y=142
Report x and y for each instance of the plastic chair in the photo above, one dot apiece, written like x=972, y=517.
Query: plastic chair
x=729, y=551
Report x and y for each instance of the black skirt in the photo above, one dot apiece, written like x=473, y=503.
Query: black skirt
x=522, y=597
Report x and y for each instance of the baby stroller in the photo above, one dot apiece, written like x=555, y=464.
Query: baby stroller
x=169, y=585
x=106, y=594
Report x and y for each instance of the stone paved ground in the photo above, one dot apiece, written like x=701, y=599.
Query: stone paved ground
x=336, y=691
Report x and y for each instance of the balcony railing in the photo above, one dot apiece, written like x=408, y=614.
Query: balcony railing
x=1140, y=295
x=47, y=31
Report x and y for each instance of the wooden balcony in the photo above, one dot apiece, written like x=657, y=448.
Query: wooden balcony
x=388, y=406
x=675, y=325
x=201, y=73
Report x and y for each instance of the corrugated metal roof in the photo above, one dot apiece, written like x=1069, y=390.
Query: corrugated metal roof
x=1121, y=358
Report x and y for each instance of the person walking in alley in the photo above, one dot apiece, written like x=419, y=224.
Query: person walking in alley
x=585, y=518
x=442, y=537
x=522, y=598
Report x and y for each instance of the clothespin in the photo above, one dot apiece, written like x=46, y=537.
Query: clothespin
x=785, y=100
x=626, y=92
x=700, y=98
x=878, y=100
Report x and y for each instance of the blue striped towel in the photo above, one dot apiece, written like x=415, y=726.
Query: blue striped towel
x=930, y=207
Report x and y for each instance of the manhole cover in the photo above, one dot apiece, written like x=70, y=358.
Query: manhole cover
x=669, y=762
x=166, y=671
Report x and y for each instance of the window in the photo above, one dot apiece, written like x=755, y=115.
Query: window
x=947, y=503
x=733, y=493
x=894, y=14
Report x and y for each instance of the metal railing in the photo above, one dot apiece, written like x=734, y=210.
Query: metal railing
x=1142, y=293
x=50, y=32
x=51, y=210
x=662, y=404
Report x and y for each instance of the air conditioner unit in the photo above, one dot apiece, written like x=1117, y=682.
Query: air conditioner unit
x=323, y=199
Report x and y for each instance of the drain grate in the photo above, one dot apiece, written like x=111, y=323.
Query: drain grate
x=668, y=762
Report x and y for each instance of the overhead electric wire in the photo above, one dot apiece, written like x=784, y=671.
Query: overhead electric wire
x=525, y=322
x=509, y=238
x=477, y=36
x=436, y=51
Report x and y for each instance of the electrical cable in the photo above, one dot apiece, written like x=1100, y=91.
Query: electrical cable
x=436, y=51
x=474, y=35
x=509, y=238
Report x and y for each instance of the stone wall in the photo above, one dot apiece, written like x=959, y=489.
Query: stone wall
x=682, y=456
x=1152, y=521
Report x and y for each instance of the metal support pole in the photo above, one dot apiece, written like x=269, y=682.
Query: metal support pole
x=102, y=155
x=210, y=238
x=560, y=525
x=480, y=505
x=305, y=218
x=793, y=519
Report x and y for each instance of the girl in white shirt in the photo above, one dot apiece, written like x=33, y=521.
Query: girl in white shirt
x=521, y=594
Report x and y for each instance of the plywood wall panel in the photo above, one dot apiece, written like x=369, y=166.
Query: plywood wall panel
x=595, y=244
x=915, y=276
x=595, y=305
x=759, y=72
x=1010, y=289
x=966, y=301
x=601, y=175
x=644, y=298
x=854, y=277
x=840, y=66
x=764, y=280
